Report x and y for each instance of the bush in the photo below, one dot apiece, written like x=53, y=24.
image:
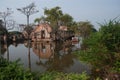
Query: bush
x=63, y=76
x=111, y=35
x=103, y=48
x=14, y=71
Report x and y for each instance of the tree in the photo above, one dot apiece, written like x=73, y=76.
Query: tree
x=85, y=28
x=66, y=19
x=73, y=27
x=40, y=20
x=53, y=16
x=37, y=20
x=28, y=10
x=111, y=35
x=103, y=47
x=2, y=29
x=4, y=16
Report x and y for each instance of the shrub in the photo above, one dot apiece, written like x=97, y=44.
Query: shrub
x=13, y=71
x=103, y=48
x=111, y=35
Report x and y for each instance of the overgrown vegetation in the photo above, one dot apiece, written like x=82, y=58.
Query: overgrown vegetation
x=103, y=49
x=15, y=71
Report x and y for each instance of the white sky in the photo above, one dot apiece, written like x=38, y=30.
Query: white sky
x=95, y=11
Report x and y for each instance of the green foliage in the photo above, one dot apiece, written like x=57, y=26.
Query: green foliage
x=95, y=50
x=66, y=20
x=42, y=19
x=13, y=71
x=93, y=40
x=95, y=56
x=85, y=28
x=28, y=29
x=73, y=26
x=116, y=66
x=53, y=15
x=47, y=76
x=103, y=48
x=76, y=76
x=14, y=32
x=2, y=30
x=63, y=76
x=111, y=35
x=37, y=20
x=106, y=40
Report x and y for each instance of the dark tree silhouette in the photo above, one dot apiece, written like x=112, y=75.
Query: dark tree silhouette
x=4, y=16
x=28, y=10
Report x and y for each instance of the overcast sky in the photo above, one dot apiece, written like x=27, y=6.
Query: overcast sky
x=95, y=11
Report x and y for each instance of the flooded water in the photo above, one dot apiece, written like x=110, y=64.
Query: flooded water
x=46, y=56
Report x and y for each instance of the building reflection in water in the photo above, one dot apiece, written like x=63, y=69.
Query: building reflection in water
x=63, y=58
x=47, y=56
x=54, y=56
x=44, y=50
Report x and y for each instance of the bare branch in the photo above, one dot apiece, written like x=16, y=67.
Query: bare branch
x=5, y=15
x=28, y=10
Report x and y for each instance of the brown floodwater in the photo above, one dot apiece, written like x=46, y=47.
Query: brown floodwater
x=46, y=56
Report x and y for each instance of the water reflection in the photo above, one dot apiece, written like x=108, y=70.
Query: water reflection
x=43, y=50
x=47, y=56
x=15, y=44
x=4, y=48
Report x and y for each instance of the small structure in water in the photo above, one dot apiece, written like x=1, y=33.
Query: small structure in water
x=42, y=32
x=75, y=39
x=64, y=34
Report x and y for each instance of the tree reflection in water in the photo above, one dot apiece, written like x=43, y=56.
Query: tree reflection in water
x=47, y=56
x=51, y=57
x=44, y=50
x=4, y=49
